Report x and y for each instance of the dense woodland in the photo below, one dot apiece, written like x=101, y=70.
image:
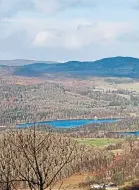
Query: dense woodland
x=51, y=100
x=42, y=156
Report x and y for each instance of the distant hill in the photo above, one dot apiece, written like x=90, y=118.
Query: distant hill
x=21, y=62
x=108, y=67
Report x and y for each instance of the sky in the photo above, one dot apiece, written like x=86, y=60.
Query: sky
x=63, y=30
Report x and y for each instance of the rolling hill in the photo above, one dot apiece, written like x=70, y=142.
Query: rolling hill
x=107, y=67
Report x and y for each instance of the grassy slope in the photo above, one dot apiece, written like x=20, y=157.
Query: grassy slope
x=98, y=141
x=130, y=86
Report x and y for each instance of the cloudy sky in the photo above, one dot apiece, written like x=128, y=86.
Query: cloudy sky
x=61, y=30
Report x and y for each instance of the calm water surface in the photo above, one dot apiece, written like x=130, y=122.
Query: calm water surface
x=136, y=133
x=69, y=123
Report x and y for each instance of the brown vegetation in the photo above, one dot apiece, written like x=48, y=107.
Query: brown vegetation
x=21, y=97
x=38, y=160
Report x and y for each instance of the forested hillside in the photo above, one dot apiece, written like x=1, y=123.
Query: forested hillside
x=108, y=67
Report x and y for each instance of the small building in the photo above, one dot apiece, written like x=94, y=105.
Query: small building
x=109, y=186
x=95, y=117
x=97, y=186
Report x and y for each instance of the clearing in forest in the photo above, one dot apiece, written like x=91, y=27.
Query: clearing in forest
x=98, y=141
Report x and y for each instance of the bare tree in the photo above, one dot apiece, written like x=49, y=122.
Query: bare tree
x=39, y=158
x=7, y=172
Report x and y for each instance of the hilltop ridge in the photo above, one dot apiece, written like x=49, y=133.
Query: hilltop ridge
x=107, y=67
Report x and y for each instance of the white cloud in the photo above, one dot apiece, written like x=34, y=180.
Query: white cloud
x=53, y=6
x=79, y=35
x=49, y=7
x=27, y=32
x=9, y=8
x=51, y=39
x=45, y=38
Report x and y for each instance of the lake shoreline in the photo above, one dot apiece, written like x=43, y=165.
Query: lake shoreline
x=70, y=123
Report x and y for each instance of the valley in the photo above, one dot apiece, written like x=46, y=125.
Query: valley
x=27, y=100
x=97, y=112
x=69, y=95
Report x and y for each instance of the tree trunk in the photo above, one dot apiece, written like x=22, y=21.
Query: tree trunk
x=41, y=187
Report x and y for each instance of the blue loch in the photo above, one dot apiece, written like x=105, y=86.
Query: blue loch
x=69, y=123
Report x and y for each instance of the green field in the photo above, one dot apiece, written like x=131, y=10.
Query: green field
x=130, y=86
x=97, y=141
